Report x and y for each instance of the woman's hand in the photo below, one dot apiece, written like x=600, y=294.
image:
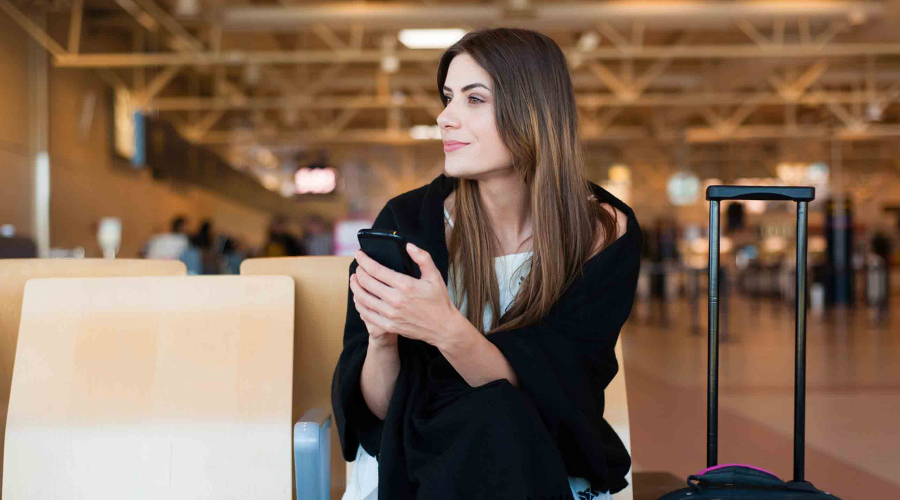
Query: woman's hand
x=378, y=336
x=388, y=301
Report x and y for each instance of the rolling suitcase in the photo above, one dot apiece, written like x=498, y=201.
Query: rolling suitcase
x=738, y=481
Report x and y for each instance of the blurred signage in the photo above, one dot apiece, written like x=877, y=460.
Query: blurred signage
x=345, y=235
x=315, y=180
x=683, y=188
x=128, y=128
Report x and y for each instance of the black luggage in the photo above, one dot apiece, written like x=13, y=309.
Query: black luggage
x=738, y=481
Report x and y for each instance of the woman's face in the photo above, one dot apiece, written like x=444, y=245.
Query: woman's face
x=472, y=145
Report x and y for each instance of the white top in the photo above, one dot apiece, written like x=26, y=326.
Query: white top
x=511, y=270
x=362, y=483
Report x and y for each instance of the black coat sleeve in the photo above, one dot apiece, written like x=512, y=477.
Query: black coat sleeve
x=565, y=362
x=356, y=424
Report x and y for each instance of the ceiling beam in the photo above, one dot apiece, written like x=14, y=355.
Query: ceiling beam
x=196, y=131
x=794, y=89
x=775, y=132
x=418, y=99
x=684, y=78
x=32, y=29
x=611, y=134
x=328, y=36
x=238, y=58
x=671, y=14
x=165, y=76
x=170, y=24
x=75, y=22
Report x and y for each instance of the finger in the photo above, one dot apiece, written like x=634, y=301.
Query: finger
x=387, y=276
x=376, y=287
x=355, y=289
x=358, y=290
x=378, y=306
x=364, y=312
x=374, y=319
x=421, y=257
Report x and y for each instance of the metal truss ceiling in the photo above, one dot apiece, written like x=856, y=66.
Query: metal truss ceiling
x=306, y=74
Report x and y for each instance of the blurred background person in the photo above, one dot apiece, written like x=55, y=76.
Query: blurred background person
x=203, y=242
x=204, y=236
x=878, y=283
x=232, y=254
x=318, y=236
x=171, y=245
x=282, y=243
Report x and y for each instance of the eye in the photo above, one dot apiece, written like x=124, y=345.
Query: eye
x=475, y=99
x=446, y=99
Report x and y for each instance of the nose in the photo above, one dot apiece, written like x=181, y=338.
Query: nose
x=448, y=120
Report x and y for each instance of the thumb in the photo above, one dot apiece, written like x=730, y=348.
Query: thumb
x=423, y=259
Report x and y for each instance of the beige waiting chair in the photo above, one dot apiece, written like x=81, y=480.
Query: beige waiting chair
x=15, y=272
x=616, y=413
x=321, y=308
x=153, y=387
x=320, y=312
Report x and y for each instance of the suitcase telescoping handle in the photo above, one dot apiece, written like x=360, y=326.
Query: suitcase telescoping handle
x=802, y=196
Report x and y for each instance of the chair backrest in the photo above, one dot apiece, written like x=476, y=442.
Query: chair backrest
x=154, y=387
x=13, y=275
x=320, y=312
x=616, y=413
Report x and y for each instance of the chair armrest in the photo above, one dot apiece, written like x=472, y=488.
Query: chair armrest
x=312, y=455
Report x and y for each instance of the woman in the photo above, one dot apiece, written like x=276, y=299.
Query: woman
x=457, y=402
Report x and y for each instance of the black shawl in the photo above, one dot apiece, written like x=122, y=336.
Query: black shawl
x=443, y=439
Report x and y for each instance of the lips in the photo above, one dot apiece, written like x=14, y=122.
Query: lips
x=454, y=145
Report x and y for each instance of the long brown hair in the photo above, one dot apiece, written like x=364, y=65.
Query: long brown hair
x=538, y=122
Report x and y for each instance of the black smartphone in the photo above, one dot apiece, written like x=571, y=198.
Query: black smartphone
x=388, y=248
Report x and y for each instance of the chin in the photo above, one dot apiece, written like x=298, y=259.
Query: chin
x=458, y=170
x=465, y=170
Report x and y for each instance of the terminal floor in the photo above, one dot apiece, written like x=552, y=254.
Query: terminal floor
x=853, y=393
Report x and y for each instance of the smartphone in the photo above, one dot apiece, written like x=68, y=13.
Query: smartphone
x=388, y=248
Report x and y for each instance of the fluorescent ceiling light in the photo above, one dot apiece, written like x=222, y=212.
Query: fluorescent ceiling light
x=187, y=7
x=430, y=39
x=588, y=41
x=390, y=64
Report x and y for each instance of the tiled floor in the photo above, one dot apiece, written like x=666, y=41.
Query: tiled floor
x=853, y=393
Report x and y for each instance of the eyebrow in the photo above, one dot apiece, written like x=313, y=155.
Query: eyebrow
x=469, y=87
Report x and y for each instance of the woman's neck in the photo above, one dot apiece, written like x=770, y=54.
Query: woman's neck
x=505, y=200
